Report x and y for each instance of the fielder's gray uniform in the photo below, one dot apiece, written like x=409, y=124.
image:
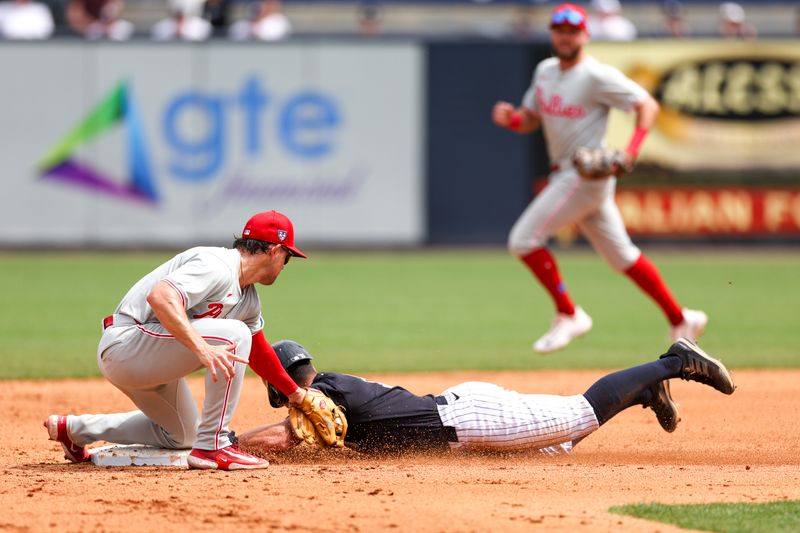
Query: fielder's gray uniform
x=486, y=415
x=140, y=357
x=574, y=106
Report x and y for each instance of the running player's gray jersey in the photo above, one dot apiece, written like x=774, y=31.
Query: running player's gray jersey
x=207, y=280
x=574, y=103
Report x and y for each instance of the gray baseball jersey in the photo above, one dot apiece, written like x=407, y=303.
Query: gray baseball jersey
x=142, y=358
x=207, y=280
x=574, y=105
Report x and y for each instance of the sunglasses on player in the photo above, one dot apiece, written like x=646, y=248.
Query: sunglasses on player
x=567, y=16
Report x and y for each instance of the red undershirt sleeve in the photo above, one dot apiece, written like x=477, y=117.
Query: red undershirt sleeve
x=264, y=362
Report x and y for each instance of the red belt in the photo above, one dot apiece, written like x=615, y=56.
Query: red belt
x=123, y=320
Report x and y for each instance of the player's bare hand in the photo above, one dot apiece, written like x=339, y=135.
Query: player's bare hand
x=220, y=358
x=296, y=398
x=501, y=113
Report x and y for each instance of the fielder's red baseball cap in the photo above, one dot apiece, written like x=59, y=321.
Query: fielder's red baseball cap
x=273, y=227
x=568, y=15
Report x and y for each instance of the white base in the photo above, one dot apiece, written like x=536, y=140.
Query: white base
x=138, y=455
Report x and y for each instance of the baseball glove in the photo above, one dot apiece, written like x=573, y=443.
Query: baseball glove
x=600, y=163
x=318, y=420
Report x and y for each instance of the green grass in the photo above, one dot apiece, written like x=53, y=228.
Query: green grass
x=773, y=517
x=422, y=310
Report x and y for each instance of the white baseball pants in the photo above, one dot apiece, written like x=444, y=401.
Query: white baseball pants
x=486, y=415
x=147, y=364
x=590, y=204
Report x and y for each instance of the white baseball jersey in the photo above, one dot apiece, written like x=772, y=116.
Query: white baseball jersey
x=145, y=361
x=574, y=106
x=486, y=415
x=574, y=103
x=207, y=280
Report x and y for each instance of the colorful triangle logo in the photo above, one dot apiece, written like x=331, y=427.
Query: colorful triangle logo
x=118, y=106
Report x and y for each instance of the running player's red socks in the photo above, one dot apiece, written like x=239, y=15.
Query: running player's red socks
x=543, y=265
x=645, y=274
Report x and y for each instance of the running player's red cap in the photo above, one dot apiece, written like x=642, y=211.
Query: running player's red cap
x=568, y=15
x=274, y=227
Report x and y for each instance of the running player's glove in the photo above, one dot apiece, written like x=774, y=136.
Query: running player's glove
x=600, y=163
x=318, y=420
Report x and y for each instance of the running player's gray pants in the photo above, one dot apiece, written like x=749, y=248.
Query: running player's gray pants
x=148, y=365
x=486, y=415
x=570, y=199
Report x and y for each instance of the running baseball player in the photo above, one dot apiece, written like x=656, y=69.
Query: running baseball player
x=474, y=415
x=199, y=309
x=569, y=97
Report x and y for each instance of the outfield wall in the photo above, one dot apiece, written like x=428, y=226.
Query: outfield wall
x=164, y=144
x=386, y=143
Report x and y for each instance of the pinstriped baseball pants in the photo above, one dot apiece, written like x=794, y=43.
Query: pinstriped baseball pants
x=486, y=415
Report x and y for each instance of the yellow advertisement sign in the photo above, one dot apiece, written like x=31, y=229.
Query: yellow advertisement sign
x=725, y=106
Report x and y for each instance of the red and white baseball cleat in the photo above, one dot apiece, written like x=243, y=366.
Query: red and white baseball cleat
x=57, y=429
x=229, y=458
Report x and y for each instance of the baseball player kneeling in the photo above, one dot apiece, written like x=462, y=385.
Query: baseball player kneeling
x=383, y=418
x=199, y=309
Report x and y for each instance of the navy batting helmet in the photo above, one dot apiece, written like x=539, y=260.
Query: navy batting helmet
x=290, y=354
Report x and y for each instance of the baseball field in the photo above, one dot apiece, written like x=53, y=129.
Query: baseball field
x=427, y=320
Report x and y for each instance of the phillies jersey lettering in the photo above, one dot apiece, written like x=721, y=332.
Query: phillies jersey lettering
x=555, y=106
x=214, y=310
x=574, y=103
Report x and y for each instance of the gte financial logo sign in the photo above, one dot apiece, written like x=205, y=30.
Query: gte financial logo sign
x=305, y=128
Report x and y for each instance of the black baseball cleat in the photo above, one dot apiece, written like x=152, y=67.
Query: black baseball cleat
x=701, y=367
x=664, y=407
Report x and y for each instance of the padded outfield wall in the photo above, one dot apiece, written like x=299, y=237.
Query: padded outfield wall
x=172, y=144
x=385, y=143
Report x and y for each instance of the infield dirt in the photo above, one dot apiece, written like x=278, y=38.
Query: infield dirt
x=727, y=448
